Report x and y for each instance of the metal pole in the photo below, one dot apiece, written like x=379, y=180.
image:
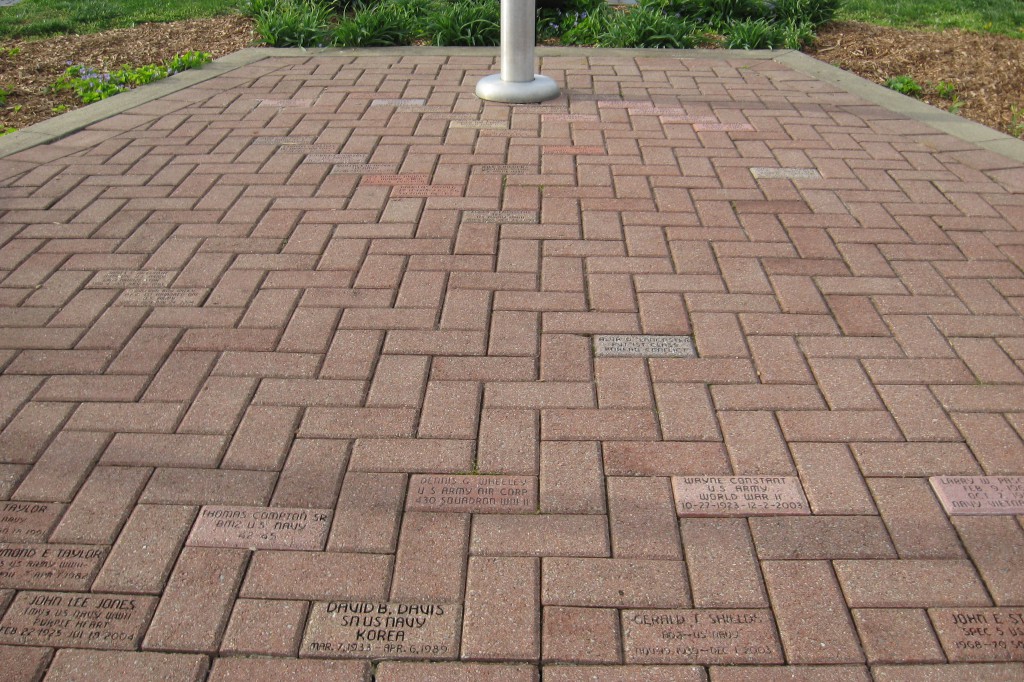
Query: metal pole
x=517, y=83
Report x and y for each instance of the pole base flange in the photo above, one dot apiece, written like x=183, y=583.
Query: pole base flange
x=540, y=89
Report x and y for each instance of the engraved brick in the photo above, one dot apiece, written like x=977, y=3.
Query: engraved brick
x=146, y=549
x=90, y=622
x=627, y=345
x=980, y=495
x=691, y=636
x=73, y=665
x=577, y=635
x=979, y=634
x=738, y=495
x=478, y=494
x=33, y=565
x=619, y=583
x=502, y=614
x=261, y=527
x=813, y=620
x=28, y=522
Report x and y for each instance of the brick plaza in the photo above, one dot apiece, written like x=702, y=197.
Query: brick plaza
x=317, y=367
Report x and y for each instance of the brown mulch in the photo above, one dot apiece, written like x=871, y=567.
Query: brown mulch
x=987, y=70
x=38, y=63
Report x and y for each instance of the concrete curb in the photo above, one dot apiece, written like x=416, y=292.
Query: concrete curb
x=943, y=121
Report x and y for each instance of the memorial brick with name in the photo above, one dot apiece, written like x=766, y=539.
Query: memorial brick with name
x=479, y=125
x=346, y=168
x=308, y=149
x=283, y=103
x=401, y=191
x=570, y=117
x=28, y=521
x=980, y=495
x=341, y=629
x=578, y=150
x=980, y=634
x=261, y=527
x=722, y=127
x=79, y=620
x=397, y=102
x=157, y=298
x=335, y=158
x=700, y=636
x=479, y=494
x=739, y=496
x=643, y=346
x=284, y=140
x=394, y=179
x=508, y=169
x=131, y=279
x=31, y=566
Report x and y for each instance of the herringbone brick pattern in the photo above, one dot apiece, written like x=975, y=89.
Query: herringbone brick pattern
x=297, y=284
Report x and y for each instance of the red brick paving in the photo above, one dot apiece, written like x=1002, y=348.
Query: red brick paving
x=860, y=331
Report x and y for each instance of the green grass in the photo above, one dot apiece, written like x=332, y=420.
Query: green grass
x=32, y=18
x=991, y=16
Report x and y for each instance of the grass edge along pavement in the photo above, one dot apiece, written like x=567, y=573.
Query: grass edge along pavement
x=74, y=121
x=40, y=18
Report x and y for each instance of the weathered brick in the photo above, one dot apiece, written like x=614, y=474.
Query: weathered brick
x=916, y=522
x=317, y=576
x=897, y=636
x=614, y=583
x=265, y=627
x=430, y=564
x=368, y=513
x=723, y=567
x=642, y=518
x=101, y=506
x=577, y=635
x=539, y=535
x=907, y=583
x=501, y=620
x=79, y=665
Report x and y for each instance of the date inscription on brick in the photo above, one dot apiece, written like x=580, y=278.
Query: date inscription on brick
x=406, y=191
x=345, y=168
x=739, y=496
x=700, y=636
x=31, y=566
x=980, y=634
x=340, y=629
x=335, y=158
x=282, y=140
x=126, y=279
x=261, y=527
x=162, y=297
x=473, y=494
x=82, y=621
x=980, y=495
x=643, y=346
x=28, y=521
x=726, y=127
x=575, y=150
x=479, y=125
x=394, y=179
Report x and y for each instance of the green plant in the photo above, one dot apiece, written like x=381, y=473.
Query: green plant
x=796, y=34
x=643, y=27
x=814, y=12
x=4, y=94
x=292, y=23
x=91, y=85
x=60, y=108
x=7, y=131
x=945, y=90
x=753, y=34
x=472, y=23
x=589, y=27
x=905, y=85
x=1016, y=121
x=9, y=52
x=389, y=23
